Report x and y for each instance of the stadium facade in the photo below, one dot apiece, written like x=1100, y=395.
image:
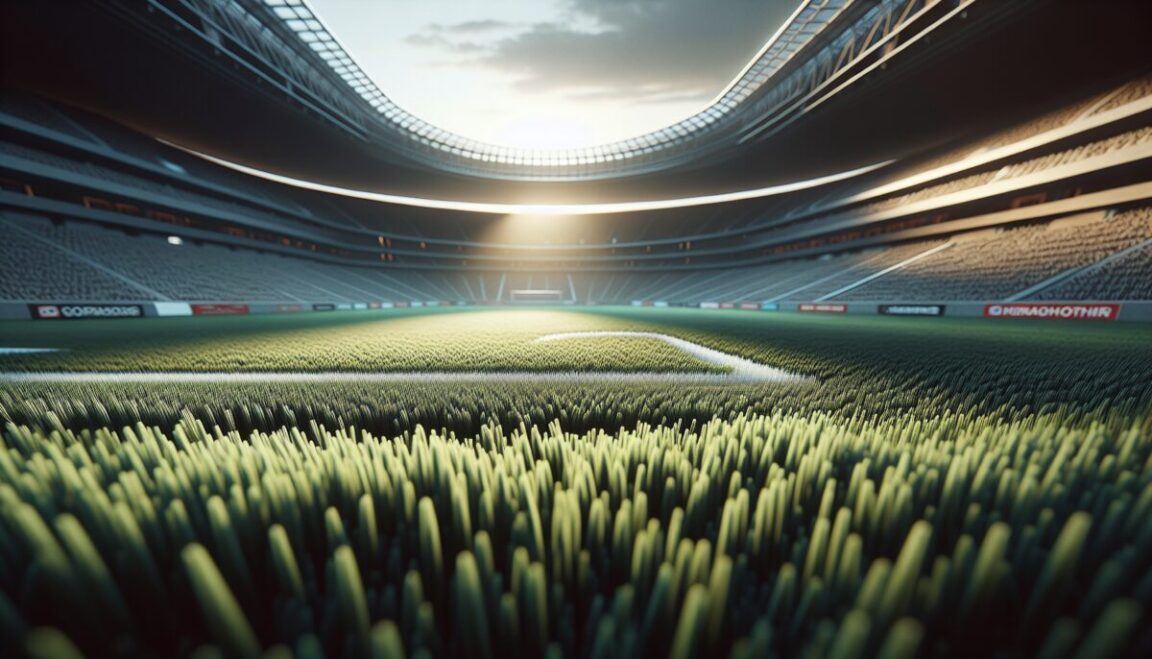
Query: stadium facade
x=905, y=157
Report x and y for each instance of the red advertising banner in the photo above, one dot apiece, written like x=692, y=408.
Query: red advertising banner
x=823, y=308
x=219, y=309
x=1053, y=311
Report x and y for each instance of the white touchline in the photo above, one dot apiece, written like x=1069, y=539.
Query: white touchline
x=742, y=370
x=28, y=351
x=396, y=377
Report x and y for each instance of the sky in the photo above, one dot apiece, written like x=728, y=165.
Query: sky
x=552, y=73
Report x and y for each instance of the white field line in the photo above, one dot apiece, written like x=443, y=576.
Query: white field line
x=27, y=351
x=743, y=370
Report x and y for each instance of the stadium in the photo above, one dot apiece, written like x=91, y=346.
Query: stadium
x=850, y=360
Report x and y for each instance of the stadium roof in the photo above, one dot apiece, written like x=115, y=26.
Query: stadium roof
x=810, y=19
x=876, y=80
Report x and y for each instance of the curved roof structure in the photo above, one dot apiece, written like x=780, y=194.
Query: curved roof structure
x=810, y=19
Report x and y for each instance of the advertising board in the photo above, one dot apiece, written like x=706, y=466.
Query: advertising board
x=1053, y=311
x=172, y=308
x=911, y=309
x=219, y=309
x=82, y=311
x=820, y=307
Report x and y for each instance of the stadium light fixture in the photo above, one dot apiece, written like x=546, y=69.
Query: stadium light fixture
x=175, y=240
x=498, y=208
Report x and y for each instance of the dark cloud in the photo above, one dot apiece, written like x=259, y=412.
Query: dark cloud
x=633, y=51
x=686, y=49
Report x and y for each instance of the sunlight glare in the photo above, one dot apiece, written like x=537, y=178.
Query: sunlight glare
x=542, y=131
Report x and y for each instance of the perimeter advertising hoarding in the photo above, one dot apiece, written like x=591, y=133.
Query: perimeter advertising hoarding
x=1053, y=311
x=823, y=308
x=172, y=308
x=911, y=309
x=84, y=311
x=323, y=307
x=219, y=309
x=709, y=305
x=769, y=306
x=289, y=308
x=749, y=306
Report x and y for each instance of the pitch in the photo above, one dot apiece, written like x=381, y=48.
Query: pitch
x=924, y=478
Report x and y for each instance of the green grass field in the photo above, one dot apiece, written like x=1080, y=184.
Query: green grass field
x=402, y=340
x=935, y=487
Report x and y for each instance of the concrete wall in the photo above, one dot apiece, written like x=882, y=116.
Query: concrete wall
x=14, y=311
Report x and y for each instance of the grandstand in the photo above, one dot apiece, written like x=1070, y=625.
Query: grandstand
x=1016, y=215
x=801, y=374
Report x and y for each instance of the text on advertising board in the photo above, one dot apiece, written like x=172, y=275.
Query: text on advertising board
x=823, y=308
x=912, y=309
x=82, y=311
x=219, y=309
x=1053, y=311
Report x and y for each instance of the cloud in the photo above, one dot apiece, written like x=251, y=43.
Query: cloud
x=474, y=27
x=640, y=95
x=640, y=50
x=447, y=35
x=440, y=42
x=464, y=38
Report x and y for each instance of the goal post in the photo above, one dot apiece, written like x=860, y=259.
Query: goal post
x=536, y=296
